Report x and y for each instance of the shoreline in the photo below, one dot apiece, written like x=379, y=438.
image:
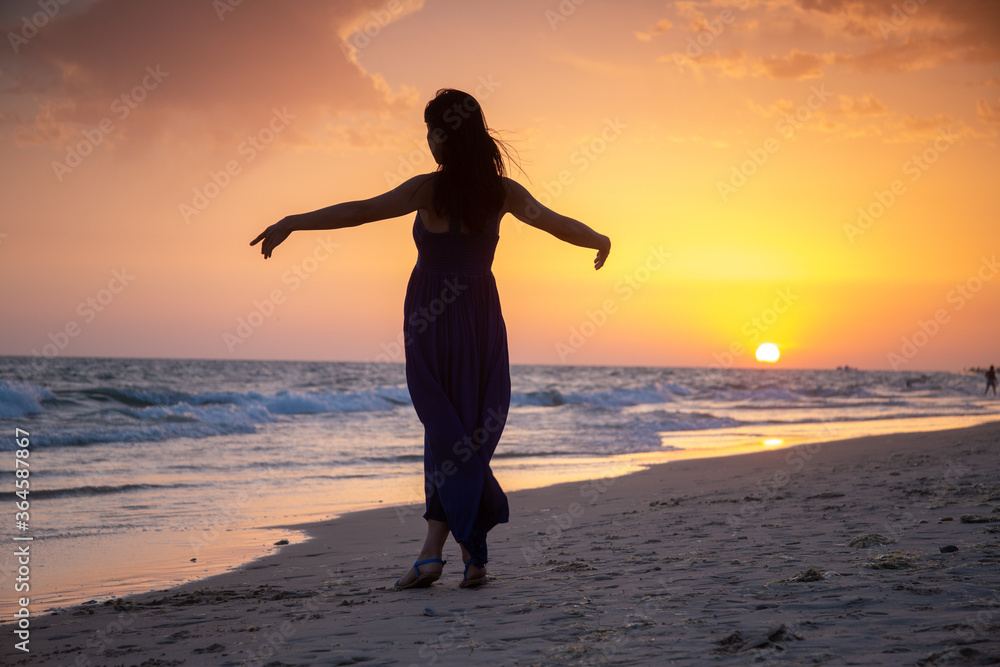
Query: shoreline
x=603, y=569
x=166, y=562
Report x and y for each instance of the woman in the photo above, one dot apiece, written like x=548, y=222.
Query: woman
x=457, y=368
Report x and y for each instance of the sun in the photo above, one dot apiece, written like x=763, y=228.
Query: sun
x=768, y=352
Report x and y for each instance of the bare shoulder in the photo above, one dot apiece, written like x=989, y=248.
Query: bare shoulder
x=412, y=194
x=513, y=186
x=419, y=189
x=517, y=197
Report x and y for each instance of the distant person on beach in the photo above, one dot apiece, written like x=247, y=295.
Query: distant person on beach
x=457, y=365
x=991, y=380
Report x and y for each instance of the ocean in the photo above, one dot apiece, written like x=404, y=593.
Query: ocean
x=146, y=473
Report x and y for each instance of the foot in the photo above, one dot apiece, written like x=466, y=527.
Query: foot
x=474, y=576
x=424, y=572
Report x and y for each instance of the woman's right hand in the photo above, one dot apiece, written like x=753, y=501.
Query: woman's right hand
x=273, y=236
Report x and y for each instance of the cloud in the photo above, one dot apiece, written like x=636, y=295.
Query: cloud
x=796, y=65
x=736, y=64
x=913, y=34
x=689, y=9
x=866, y=105
x=223, y=72
x=914, y=129
x=746, y=4
x=712, y=15
x=779, y=107
x=987, y=82
x=661, y=27
x=739, y=64
x=593, y=66
x=912, y=53
x=862, y=36
x=865, y=116
x=988, y=113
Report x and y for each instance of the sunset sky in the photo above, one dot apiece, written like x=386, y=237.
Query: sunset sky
x=820, y=174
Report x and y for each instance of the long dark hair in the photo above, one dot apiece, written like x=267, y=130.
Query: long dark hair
x=469, y=185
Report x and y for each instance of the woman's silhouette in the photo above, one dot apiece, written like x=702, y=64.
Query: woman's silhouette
x=457, y=368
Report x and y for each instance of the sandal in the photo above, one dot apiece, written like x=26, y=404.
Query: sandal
x=471, y=583
x=422, y=580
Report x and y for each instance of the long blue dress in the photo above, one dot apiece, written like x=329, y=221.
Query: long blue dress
x=458, y=375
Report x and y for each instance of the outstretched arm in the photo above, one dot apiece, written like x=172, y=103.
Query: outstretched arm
x=527, y=209
x=401, y=200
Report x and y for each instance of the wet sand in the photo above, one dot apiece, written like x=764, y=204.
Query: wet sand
x=880, y=550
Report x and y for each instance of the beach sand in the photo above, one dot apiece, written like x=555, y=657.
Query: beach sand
x=751, y=559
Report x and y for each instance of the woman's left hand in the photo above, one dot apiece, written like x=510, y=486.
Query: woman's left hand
x=602, y=253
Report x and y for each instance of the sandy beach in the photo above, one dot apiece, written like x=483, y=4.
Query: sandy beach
x=875, y=551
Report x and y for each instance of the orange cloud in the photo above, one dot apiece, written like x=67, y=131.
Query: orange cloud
x=738, y=64
x=916, y=129
x=661, y=27
x=988, y=113
x=735, y=64
x=687, y=9
x=911, y=54
x=912, y=35
x=860, y=107
x=796, y=65
x=779, y=107
x=235, y=68
x=864, y=36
